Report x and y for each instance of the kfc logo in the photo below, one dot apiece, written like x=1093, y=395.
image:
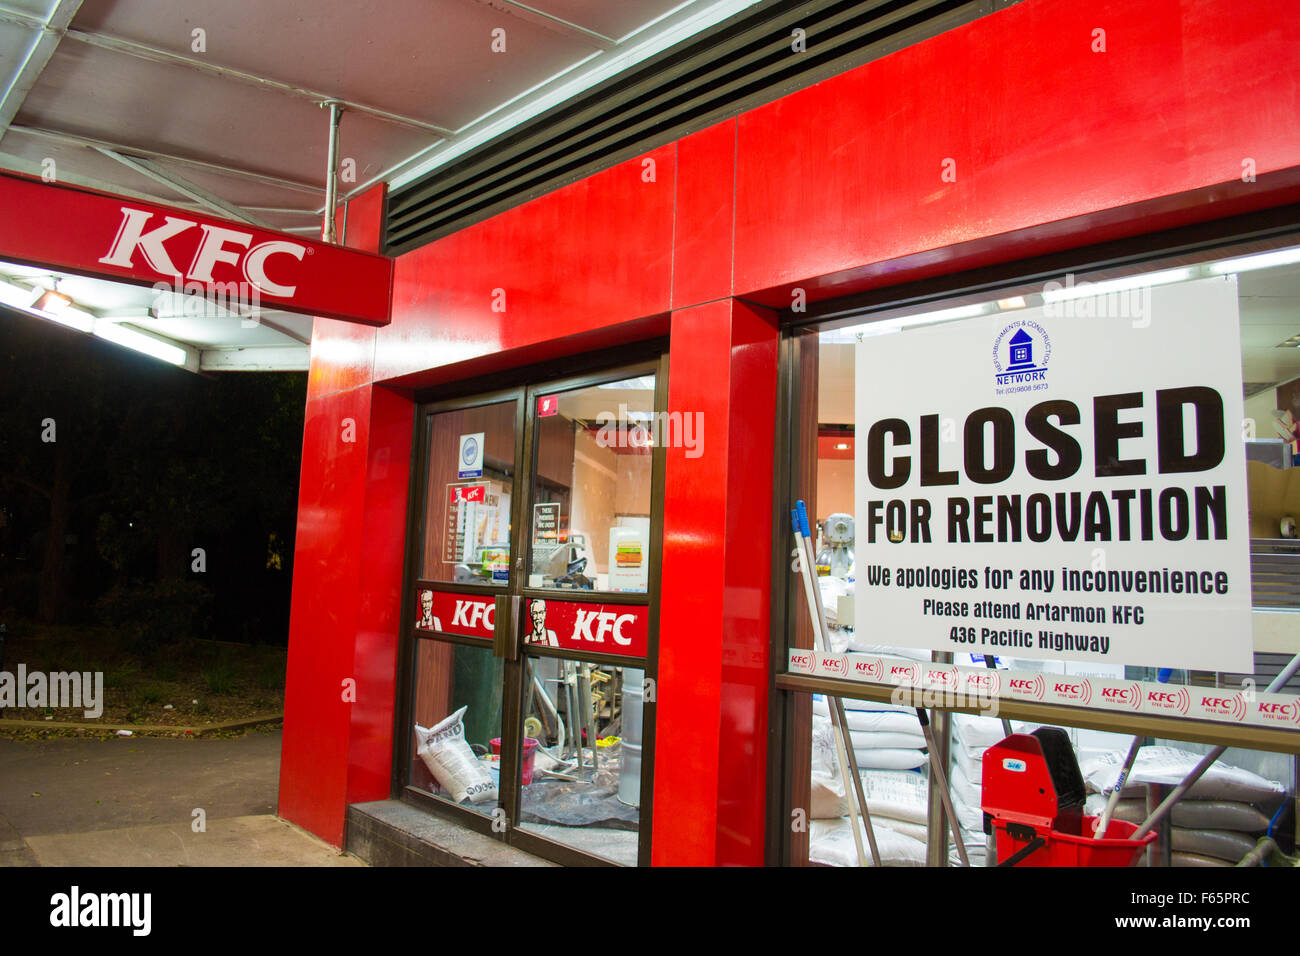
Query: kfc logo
x=218, y=244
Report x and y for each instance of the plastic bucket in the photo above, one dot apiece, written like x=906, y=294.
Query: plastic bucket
x=629, y=775
x=1064, y=849
x=633, y=704
x=530, y=756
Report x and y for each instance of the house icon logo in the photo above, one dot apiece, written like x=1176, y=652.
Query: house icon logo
x=1020, y=355
x=1022, y=351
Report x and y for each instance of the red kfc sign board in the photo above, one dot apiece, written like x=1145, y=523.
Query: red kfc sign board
x=86, y=232
x=607, y=628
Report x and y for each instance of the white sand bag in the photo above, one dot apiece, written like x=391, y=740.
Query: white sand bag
x=876, y=722
x=1169, y=765
x=449, y=758
x=917, y=831
x=971, y=793
x=1220, y=844
x=871, y=740
x=900, y=796
x=980, y=732
x=889, y=759
x=1195, y=859
x=830, y=842
x=827, y=798
x=1190, y=814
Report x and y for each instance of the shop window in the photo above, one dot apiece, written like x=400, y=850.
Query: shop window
x=467, y=495
x=590, y=509
x=587, y=795
x=457, y=724
x=966, y=434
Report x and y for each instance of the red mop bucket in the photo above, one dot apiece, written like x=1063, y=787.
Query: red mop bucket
x=1033, y=795
x=1065, y=849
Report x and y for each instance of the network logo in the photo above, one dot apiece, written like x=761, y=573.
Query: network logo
x=1020, y=356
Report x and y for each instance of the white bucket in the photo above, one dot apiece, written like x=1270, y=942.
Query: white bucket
x=629, y=775
x=633, y=705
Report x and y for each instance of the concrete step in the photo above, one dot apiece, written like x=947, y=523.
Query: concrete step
x=393, y=833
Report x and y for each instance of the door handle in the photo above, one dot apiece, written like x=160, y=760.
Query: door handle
x=505, y=635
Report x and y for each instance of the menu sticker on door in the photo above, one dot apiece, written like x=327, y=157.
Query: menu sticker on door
x=463, y=504
x=470, y=462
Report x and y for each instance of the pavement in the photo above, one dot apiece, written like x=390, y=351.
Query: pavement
x=150, y=801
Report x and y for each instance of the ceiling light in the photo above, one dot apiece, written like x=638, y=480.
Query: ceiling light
x=842, y=446
x=1265, y=260
x=52, y=302
x=1015, y=302
x=140, y=342
x=1080, y=290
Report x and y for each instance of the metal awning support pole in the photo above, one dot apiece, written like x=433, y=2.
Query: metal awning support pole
x=328, y=233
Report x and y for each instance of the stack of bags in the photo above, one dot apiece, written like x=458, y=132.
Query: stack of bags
x=883, y=736
x=896, y=799
x=973, y=734
x=1215, y=824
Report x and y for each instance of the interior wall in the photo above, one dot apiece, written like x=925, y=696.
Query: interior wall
x=834, y=486
x=595, y=493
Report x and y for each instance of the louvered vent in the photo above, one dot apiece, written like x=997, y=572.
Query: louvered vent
x=712, y=76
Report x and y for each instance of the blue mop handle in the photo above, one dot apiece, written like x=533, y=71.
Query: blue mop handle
x=803, y=519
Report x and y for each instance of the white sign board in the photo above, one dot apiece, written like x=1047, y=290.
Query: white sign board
x=469, y=463
x=1066, y=482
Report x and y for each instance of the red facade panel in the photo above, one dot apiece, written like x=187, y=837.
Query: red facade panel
x=1054, y=144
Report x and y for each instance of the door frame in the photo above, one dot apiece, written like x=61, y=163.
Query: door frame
x=524, y=386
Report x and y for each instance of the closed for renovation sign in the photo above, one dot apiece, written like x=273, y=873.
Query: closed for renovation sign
x=1066, y=482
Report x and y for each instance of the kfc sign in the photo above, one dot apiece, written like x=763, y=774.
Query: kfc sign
x=453, y=614
x=92, y=233
x=604, y=628
x=219, y=244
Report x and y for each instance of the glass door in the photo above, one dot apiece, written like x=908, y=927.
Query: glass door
x=533, y=607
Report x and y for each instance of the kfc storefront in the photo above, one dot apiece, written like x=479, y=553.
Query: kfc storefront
x=543, y=581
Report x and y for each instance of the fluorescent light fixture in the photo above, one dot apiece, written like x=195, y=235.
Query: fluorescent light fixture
x=1085, y=289
x=885, y=326
x=643, y=383
x=73, y=318
x=131, y=339
x=1015, y=302
x=842, y=446
x=15, y=296
x=1264, y=260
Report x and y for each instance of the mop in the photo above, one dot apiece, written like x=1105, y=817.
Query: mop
x=849, y=774
x=1206, y=762
x=1124, y=771
x=803, y=533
